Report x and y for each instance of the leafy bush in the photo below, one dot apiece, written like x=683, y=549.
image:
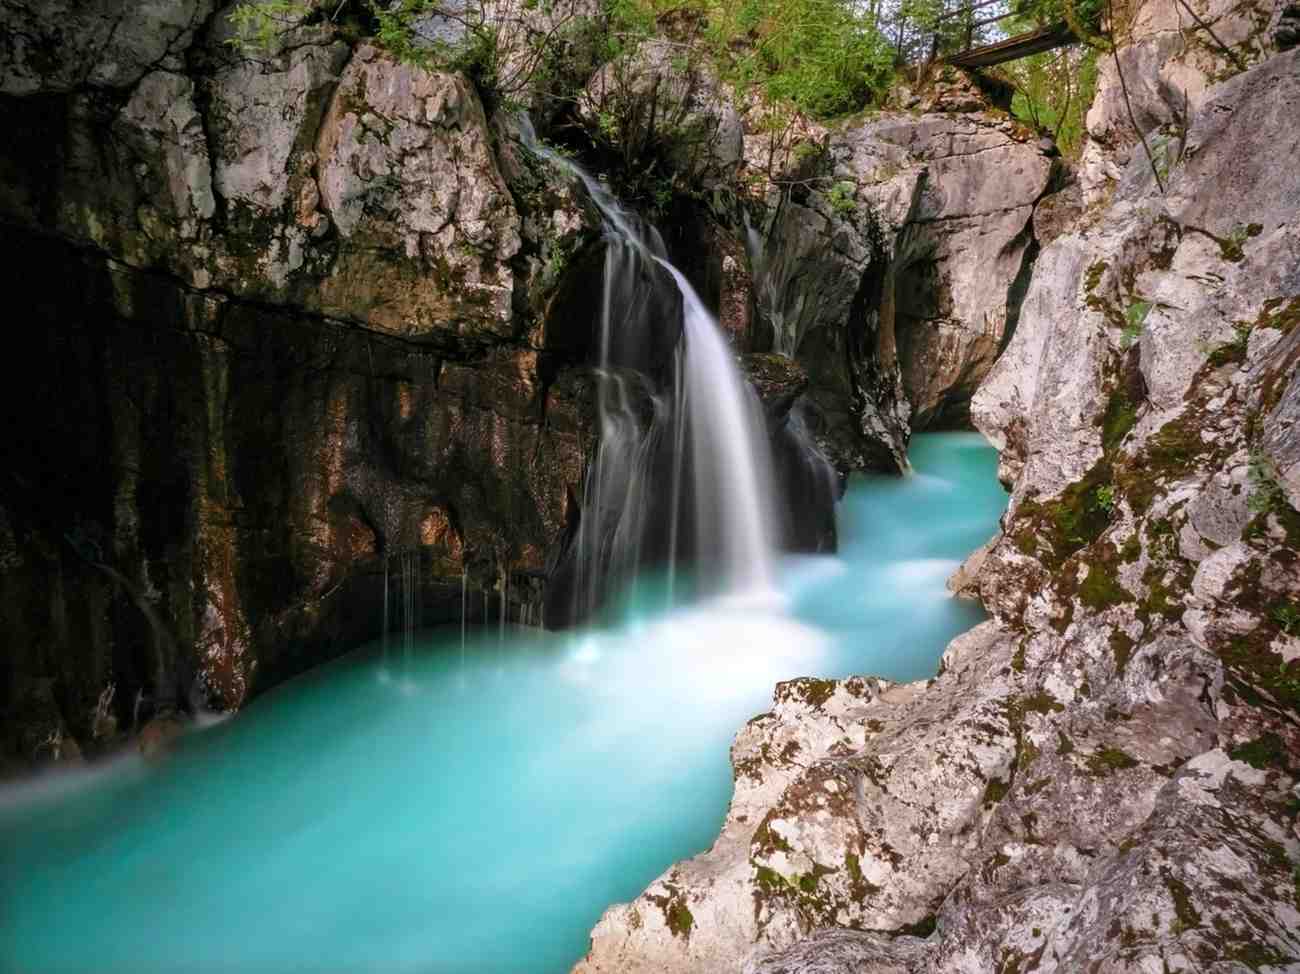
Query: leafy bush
x=825, y=57
x=504, y=46
x=258, y=23
x=842, y=197
x=1053, y=92
x=1287, y=617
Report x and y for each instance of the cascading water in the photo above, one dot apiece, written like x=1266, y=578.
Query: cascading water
x=479, y=812
x=512, y=776
x=718, y=506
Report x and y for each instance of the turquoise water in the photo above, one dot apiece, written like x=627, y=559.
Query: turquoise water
x=472, y=811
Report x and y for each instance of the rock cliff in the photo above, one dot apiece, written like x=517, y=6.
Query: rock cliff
x=1103, y=777
x=285, y=316
x=278, y=319
x=890, y=261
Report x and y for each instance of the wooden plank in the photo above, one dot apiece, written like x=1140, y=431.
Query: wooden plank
x=1022, y=45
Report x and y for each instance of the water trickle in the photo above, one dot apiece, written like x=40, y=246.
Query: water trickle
x=505, y=597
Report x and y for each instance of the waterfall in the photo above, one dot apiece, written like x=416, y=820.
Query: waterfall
x=771, y=284
x=410, y=561
x=681, y=471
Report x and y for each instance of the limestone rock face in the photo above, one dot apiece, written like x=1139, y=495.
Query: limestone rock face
x=663, y=96
x=1103, y=776
x=407, y=171
x=69, y=44
x=965, y=258
x=892, y=268
x=822, y=282
x=1174, y=66
x=303, y=321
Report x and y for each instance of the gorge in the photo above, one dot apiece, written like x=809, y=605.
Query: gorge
x=343, y=402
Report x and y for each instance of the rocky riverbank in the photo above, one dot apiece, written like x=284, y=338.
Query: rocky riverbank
x=300, y=313
x=1104, y=776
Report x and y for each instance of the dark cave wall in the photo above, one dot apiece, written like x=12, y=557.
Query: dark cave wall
x=246, y=471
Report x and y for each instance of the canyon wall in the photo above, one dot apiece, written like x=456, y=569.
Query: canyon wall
x=280, y=317
x=1104, y=776
x=274, y=320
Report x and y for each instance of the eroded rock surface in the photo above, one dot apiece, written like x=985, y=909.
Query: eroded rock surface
x=1104, y=776
x=895, y=277
x=291, y=316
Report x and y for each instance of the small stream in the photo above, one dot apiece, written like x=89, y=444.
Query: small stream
x=474, y=806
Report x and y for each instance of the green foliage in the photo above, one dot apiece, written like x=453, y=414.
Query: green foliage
x=480, y=52
x=680, y=920
x=1287, y=617
x=1265, y=493
x=1136, y=317
x=1046, y=12
x=1120, y=417
x=1104, y=498
x=842, y=197
x=1263, y=752
x=1053, y=92
x=1106, y=760
x=824, y=57
x=259, y=23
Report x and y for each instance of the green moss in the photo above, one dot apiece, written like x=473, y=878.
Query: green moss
x=1287, y=617
x=1107, y=760
x=1018, y=658
x=769, y=840
x=1064, y=745
x=1263, y=752
x=817, y=692
x=1280, y=313
x=1026, y=754
x=1162, y=596
x=1100, y=589
x=1231, y=247
x=1041, y=703
x=995, y=791
x=1054, y=530
x=1093, y=276
x=1171, y=451
x=1252, y=675
x=1135, y=317
x=680, y=920
x=1175, y=446
x=1253, y=954
x=1120, y=417
x=1131, y=549
x=1233, y=352
x=1284, y=516
x=1121, y=647
x=770, y=879
x=860, y=887
x=921, y=928
x=1188, y=916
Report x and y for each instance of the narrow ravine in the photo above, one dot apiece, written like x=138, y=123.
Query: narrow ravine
x=474, y=810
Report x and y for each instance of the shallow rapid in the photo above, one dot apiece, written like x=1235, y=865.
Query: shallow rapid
x=474, y=808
